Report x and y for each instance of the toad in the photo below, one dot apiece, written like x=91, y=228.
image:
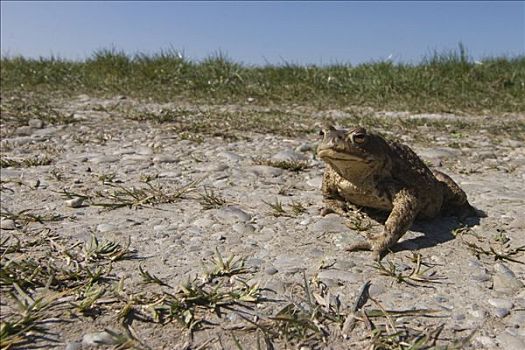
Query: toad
x=366, y=170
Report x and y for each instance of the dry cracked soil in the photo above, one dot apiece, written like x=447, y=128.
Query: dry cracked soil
x=187, y=196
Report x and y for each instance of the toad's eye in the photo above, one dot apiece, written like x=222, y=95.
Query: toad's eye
x=321, y=132
x=358, y=138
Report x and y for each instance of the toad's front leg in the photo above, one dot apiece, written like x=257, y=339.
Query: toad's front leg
x=404, y=211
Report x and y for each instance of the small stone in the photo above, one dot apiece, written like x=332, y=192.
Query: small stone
x=289, y=155
x=487, y=342
x=501, y=303
x=160, y=228
x=24, y=131
x=304, y=147
x=218, y=237
x=478, y=313
x=104, y=159
x=74, y=346
x=518, y=223
x=162, y=158
x=234, y=157
x=7, y=224
x=480, y=277
x=135, y=158
x=330, y=223
x=172, y=174
x=339, y=275
x=212, y=167
x=458, y=316
x=243, y=229
x=271, y=270
x=265, y=171
x=439, y=152
x=105, y=227
x=203, y=222
x=35, y=123
x=75, y=202
x=315, y=182
x=98, y=338
x=289, y=264
x=508, y=341
x=504, y=280
x=501, y=312
x=305, y=221
x=232, y=215
x=144, y=151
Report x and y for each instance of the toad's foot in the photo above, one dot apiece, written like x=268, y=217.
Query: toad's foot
x=376, y=254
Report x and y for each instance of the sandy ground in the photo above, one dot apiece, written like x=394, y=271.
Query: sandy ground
x=475, y=295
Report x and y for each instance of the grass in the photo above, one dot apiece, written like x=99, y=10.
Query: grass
x=292, y=165
x=443, y=82
x=417, y=277
x=498, y=247
x=6, y=162
x=119, y=196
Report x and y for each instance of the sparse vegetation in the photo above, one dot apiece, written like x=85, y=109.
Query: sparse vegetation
x=292, y=165
x=416, y=277
x=119, y=196
x=6, y=162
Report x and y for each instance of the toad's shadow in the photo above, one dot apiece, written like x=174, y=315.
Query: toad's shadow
x=435, y=231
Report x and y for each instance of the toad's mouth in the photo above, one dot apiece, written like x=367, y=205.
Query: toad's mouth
x=334, y=155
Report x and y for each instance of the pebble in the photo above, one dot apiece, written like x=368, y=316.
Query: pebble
x=7, y=224
x=35, y=123
x=203, y=222
x=162, y=158
x=289, y=155
x=97, y=338
x=172, y=174
x=74, y=346
x=104, y=159
x=487, y=342
x=75, y=202
x=265, y=171
x=106, y=228
x=315, y=182
x=212, y=167
x=480, y=277
x=234, y=157
x=18, y=141
x=501, y=303
x=510, y=342
x=24, y=131
x=328, y=224
x=504, y=280
x=135, y=158
x=231, y=215
x=271, y=270
x=144, y=151
x=304, y=147
x=339, y=275
x=160, y=228
x=289, y=264
x=518, y=223
x=243, y=229
x=439, y=153
x=501, y=312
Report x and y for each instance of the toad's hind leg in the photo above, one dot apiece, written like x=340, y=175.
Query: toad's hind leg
x=454, y=198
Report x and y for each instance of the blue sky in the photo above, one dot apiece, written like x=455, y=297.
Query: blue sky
x=265, y=32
